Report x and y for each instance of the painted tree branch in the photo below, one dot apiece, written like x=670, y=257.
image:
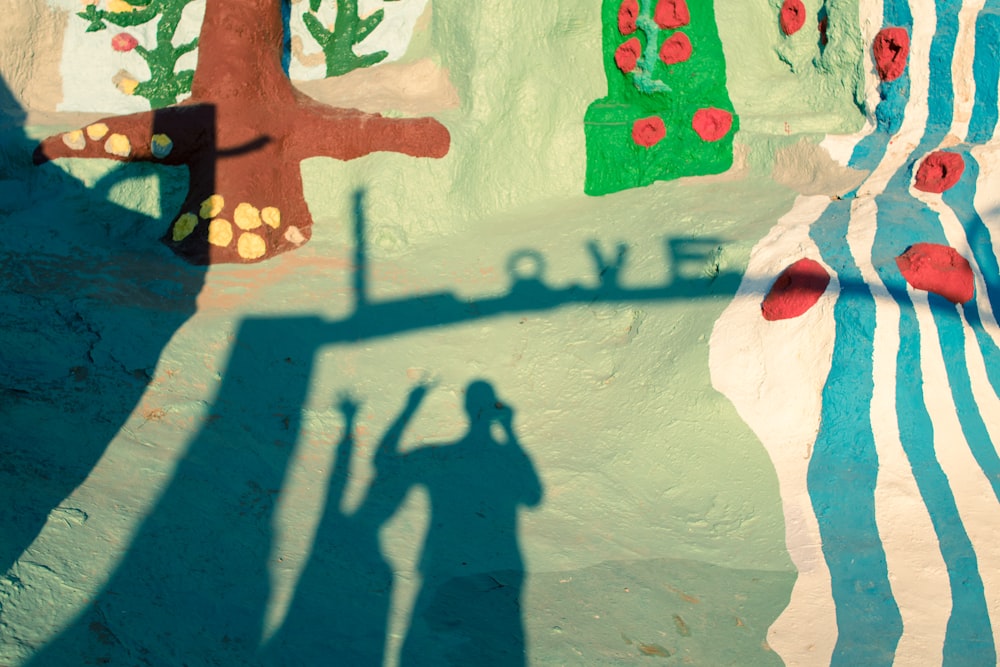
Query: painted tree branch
x=242, y=135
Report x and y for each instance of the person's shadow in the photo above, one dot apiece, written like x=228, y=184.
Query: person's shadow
x=468, y=611
x=340, y=612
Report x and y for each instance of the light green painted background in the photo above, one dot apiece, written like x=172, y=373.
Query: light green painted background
x=660, y=503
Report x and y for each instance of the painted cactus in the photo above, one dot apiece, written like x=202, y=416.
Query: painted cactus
x=348, y=30
x=667, y=113
x=242, y=136
x=165, y=83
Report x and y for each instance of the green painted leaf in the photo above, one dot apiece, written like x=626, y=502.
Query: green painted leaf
x=316, y=29
x=366, y=25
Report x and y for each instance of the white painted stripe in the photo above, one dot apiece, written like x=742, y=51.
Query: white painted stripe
x=987, y=205
x=916, y=112
x=907, y=533
x=963, y=80
x=985, y=396
x=977, y=505
x=964, y=101
x=908, y=536
x=777, y=391
x=989, y=409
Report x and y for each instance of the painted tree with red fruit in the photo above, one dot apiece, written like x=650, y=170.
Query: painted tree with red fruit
x=242, y=134
x=667, y=113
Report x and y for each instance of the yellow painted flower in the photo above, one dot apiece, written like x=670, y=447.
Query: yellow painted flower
x=184, y=226
x=118, y=144
x=220, y=232
x=212, y=206
x=161, y=145
x=97, y=131
x=119, y=6
x=251, y=246
x=271, y=216
x=246, y=216
x=125, y=82
x=75, y=140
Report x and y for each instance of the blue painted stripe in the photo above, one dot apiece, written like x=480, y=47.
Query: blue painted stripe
x=986, y=71
x=903, y=221
x=842, y=471
x=894, y=96
x=841, y=477
x=968, y=636
x=973, y=427
x=961, y=200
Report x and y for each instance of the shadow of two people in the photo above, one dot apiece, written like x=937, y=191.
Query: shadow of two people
x=194, y=587
x=471, y=568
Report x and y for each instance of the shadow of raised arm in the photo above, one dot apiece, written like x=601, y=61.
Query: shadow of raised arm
x=388, y=447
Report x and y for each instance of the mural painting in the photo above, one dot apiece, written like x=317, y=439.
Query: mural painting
x=165, y=83
x=887, y=478
x=242, y=133
x=667, y=113
x=724, y=452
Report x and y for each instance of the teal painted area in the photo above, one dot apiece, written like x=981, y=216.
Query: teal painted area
x=985, y=113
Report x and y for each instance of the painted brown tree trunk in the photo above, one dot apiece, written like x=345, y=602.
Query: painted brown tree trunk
x=242, y=134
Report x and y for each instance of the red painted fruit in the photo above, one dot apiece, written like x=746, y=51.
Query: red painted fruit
x=793, y=16
x=891, y=48
x=796, y=290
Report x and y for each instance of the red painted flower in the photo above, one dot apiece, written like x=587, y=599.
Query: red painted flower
x=648, y=131
x=796, y=290
x=938, y=268
x=627, y=55
x=627, y=14
x=124, y=42
x=671, y=14
x=891, y=47
x=939, y=171
x=793, y=16
x=712, y=124
x=676, y=49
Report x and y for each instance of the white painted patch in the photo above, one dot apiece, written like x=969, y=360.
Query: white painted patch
x=977, y=505
x=89, y=64
x=961, y=68
x=769, y=370
x=392, y=35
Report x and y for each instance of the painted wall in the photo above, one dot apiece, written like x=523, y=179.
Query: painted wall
x=684, y=478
